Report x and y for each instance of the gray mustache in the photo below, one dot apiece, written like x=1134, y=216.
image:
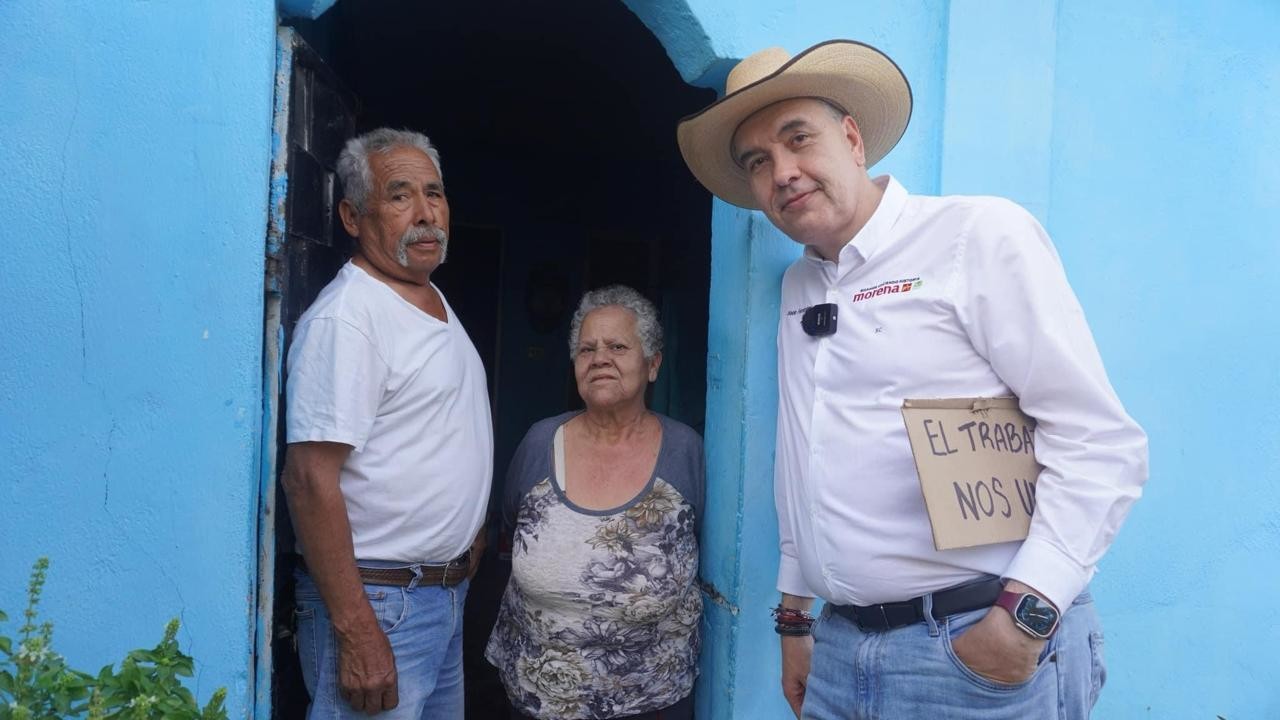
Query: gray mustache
x=418, y=233
x=422, y=232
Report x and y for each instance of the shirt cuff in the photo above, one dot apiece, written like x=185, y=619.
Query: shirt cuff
x=314, y=433
x=790, y=579
x=1050, y=571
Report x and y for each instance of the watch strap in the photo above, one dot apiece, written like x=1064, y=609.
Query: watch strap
x=1009, y=600
x=1012, y=601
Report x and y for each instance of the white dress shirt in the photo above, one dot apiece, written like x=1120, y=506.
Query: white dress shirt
x=975, y=304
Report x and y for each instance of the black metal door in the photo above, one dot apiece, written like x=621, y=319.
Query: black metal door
x=306, y=245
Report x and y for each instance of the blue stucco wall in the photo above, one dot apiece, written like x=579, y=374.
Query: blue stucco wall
x=1164, y=203
x=1144, y=132
x=133, y=164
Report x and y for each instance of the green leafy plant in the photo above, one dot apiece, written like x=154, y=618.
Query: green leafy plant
x=37, y=684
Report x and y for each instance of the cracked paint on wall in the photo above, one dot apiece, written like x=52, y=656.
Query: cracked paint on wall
x=136, y=151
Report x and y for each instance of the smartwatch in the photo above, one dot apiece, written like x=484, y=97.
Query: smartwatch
x=1032, y=614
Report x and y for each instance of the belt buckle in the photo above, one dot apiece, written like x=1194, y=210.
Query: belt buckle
x=416, y=571
x=894, y=615
x=458, y=561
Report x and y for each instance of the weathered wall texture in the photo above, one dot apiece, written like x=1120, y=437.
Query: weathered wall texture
x=134, y=144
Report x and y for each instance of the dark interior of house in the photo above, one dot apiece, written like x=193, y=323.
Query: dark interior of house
x=556, y=126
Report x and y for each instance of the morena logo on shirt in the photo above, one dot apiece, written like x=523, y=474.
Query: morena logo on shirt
x=888, y=287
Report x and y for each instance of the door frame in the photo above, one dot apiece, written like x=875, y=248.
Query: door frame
x=747, y=260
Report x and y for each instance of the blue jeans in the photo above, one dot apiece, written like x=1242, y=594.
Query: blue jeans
x=913, y=672
x=424, y=626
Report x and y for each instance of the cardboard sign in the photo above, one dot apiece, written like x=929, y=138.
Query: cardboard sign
x=977, y=466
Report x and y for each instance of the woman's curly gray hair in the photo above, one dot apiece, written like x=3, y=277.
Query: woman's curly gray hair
x=647, y=325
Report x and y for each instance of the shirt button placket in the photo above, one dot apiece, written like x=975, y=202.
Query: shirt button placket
x=818, y=428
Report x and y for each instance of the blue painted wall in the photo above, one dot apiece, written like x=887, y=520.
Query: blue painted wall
x=1164, y=202
x=135, y=153
x=1142, y=135
x=133, y=164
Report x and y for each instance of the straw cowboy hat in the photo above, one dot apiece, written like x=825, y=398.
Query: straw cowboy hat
x=853, y=75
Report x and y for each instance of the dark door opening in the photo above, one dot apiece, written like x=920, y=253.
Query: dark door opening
x=556, y=126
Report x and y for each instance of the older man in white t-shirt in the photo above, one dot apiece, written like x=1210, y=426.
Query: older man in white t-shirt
x=390, y=452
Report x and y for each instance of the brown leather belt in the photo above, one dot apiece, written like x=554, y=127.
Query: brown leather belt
x=447, y=575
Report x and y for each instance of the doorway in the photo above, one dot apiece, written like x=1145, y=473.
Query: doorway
x=556, y=126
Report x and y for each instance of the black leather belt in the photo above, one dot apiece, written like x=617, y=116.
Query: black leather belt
x=448, y=574
x=888, y=616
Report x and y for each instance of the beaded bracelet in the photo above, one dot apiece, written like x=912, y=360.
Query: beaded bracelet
x=791, y=622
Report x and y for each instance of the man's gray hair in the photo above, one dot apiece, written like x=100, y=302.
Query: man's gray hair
x=353, y=163
x=834, y=108
x=647, y=325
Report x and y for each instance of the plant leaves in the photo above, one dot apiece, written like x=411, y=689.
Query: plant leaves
x=147, y=685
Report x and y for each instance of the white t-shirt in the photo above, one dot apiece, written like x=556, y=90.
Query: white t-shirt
x=407, y=391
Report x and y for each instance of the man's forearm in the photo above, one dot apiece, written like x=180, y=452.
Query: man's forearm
x=797, y=651
x=797, y=602
x=366, y=665
x=319, y=516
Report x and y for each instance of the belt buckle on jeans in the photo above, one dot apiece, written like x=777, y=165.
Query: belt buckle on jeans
x=417, y=576
x=444, y=576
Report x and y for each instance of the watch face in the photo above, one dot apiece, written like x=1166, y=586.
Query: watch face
x=1040, y=618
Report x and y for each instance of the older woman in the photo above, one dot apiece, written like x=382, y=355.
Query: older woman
x=600, y=618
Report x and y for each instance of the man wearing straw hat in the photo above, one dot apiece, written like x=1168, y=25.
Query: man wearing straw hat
x=905, y=296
